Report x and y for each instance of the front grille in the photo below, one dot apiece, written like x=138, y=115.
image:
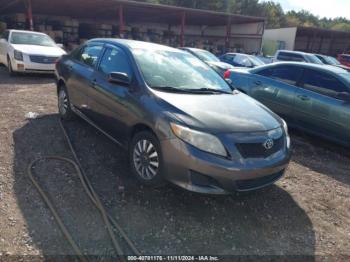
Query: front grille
x=257, y=150
x=42, y=59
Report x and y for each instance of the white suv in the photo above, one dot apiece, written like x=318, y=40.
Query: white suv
x=28, y=52
x=295, y=56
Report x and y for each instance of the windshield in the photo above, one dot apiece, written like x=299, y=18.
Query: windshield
x=206, y=56
x=19, y=38
x=179, y=70
x=255, y=61
x=313, y=59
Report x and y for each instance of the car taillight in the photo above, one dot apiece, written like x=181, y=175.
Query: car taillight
x=227, y=74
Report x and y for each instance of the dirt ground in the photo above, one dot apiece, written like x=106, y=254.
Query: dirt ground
x=305, y=216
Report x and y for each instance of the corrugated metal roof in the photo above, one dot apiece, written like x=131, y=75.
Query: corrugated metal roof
x=133, y=11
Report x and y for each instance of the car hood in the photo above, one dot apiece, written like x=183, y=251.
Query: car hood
x=221, y=65
x=40, y=50
x=220, y=113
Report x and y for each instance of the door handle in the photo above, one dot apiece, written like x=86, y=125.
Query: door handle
x=258, y=83
x=303, y=97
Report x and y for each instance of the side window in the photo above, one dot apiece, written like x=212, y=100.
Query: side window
x=282, y=56
x=90, y=54
x=265, y=72
x=323, y=83
x=229, y=58
x=287, y=74
x=114, y=60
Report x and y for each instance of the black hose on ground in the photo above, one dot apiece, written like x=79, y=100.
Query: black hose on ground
x=109, y=221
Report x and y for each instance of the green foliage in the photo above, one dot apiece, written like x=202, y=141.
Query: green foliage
x=273, y=12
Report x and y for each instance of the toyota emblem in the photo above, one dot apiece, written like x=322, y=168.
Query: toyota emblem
x=269, y=144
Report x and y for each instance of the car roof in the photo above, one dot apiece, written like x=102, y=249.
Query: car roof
x=26, y=31
x=236, y=54
x=294, y=52
x=329, y=68
x=133, y=44
x=193, y=49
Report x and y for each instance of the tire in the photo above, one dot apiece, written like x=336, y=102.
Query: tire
x=9, y=67
x=146, y=160
x=64, y=106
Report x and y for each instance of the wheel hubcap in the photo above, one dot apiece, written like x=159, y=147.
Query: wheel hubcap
x=146, y=159
x=63, y=102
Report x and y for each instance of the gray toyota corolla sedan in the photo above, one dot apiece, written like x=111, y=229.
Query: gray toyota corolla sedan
x=178, y=119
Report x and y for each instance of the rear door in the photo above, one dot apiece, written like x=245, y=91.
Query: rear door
x=317, y=107
x=81, y=68
x=276, y=88
x=111, y=102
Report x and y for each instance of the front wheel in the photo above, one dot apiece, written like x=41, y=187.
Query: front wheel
x=64, y=107
x=10, y=68
x=146, y=159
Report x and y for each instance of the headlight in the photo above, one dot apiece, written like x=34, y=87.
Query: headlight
x=18, y=55
x=285, y=127
x=202, y=141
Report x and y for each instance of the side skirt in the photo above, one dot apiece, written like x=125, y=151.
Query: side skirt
x=81, y=115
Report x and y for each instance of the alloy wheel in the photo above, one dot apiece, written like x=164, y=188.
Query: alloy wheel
x=62, y=102
x=146, y=159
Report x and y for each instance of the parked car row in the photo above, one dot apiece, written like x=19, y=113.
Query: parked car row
x=180, y=121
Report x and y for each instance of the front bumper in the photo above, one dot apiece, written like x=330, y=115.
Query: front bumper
x=198, y=171
x=26, y=66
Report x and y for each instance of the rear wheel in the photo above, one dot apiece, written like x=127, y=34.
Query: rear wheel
x=64, y=107
x=146, y=159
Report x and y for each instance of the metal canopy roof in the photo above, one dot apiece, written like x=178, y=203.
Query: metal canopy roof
x=133, y=11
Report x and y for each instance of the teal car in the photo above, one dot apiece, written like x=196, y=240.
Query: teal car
x=314, y=98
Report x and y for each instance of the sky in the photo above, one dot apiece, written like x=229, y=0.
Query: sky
x=322, y=8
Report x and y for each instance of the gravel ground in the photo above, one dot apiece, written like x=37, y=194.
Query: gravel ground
x=305, y=214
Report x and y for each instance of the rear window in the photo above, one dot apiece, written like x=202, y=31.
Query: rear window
x=283, y=56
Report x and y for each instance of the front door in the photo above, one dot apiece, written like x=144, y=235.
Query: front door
x=110, y=102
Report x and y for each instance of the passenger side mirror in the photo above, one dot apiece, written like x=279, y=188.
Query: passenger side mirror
x=119, y=78
x=345, y=96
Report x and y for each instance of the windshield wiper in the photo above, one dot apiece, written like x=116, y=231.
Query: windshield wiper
x=187, y=90
x=210, y=90
x=171, y=89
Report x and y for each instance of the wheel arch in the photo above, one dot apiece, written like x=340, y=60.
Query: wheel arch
x=140, y=127
x=60, y=83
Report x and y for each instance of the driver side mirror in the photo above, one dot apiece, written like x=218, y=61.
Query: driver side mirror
x=345, y=96
x=119, y=78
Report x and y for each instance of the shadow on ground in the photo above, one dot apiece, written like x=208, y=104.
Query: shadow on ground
x=26, y=79
x=321, y=156
x=163, y=221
